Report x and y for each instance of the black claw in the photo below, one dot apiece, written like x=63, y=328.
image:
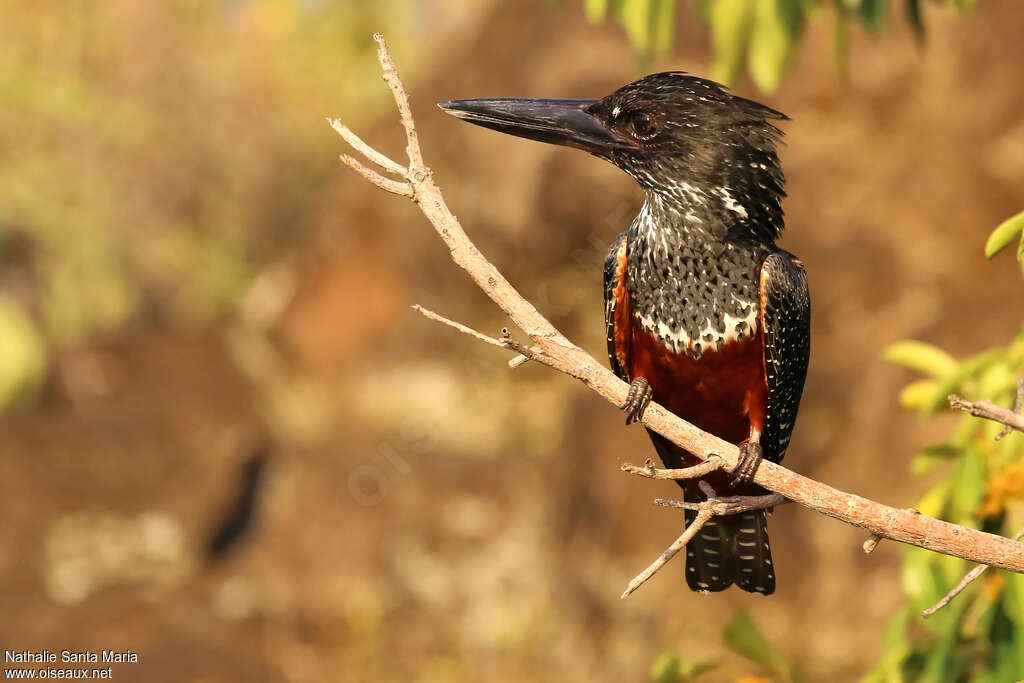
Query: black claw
x=636, y=400
x=750, y=459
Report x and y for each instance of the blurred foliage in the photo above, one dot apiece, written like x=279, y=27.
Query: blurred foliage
x=979, y=636
x=742, y=636
x=757, y=37
x=155, y=156
x=669, y=668
x=23, y=361
x=1010, y=230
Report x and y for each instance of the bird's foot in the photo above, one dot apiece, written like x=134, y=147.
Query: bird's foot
x=750, y=459
x=636, y=400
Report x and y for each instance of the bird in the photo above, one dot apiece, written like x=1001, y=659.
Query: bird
x=703, y=312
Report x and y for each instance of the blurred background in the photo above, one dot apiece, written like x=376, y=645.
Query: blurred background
x=228, y=444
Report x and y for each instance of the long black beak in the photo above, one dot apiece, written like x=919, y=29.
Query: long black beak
x=558, y=122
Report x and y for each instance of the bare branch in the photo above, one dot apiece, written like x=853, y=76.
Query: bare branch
x=990, y=411
x=966, y=581
x=551, y=348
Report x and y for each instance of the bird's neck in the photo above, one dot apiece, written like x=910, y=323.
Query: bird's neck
x=695, y=223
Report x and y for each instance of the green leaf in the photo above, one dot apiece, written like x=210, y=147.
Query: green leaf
x=937, y=667
x=931, y=456
x=923, y=464
x=744, y=637
x=895, y=648
x=841, y=40
x=1007, y=232
x=918, y=580
x=777, y=24
x=953, y=382
x=633, y=14
x=942, y=451
x=731, y=22
x=922, y=357
x=872, y=13
x=595, y=10
x=663, y=18
x=970, y=487
x=965, y=431
x=23, y=359
x=704, y=10
x=918, y=394
x=934, y=501
x=915, y=19
x=1014, y=596
x=996, y=382
x=668, y=668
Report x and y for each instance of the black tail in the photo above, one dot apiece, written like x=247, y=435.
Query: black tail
x=727, y=550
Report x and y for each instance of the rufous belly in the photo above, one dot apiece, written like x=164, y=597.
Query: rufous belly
x=722, y=392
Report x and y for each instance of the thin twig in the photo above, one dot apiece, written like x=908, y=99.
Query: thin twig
x=1017, y=405
x=510, y=344
x=989, y=411
x=872, y=543
x=393, y=186
x=648, y=470
x=550, y=347
x=964, y=582
x=370, y=153
x=696, y=525
x=731, y=505
x=713, y=506
x=416, y=165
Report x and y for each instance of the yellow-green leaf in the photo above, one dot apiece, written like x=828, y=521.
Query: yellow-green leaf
x=636, y=17
x=1007, y=232
x=663, y=17
x=970, y=487
x=23, y=359
x=922, y=357
x=917, y=394
x=769, y=45
x=934, y=502
x=595, y=10
x=996, y=381
x=743, y=636
x=841, y=40
x=731, y=22
x=873, y=14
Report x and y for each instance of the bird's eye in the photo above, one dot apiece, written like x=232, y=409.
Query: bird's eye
x=642, y=125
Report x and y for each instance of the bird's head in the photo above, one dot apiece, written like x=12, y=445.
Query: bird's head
x=684, y=138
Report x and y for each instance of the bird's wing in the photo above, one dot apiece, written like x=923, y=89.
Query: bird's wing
x=614, y=273
x=786, y=321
